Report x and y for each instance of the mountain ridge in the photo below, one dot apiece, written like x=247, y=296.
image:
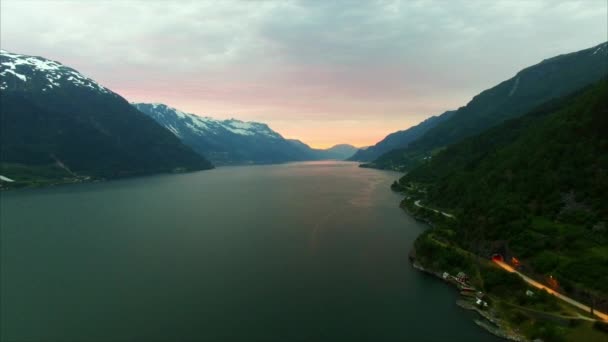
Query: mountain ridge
x=58, y=125
x=400, y=139
x=232, y=141
x=549, y=79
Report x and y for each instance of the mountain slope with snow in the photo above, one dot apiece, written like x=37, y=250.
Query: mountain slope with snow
x=22, y=72
x=224, y=142
x=233, y=141
x=56, y=123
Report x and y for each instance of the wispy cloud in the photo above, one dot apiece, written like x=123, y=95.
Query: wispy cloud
x=322, y=71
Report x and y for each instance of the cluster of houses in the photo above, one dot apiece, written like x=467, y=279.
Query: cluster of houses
x=462, y=281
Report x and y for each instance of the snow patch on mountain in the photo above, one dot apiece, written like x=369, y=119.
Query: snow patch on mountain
x=5, y=179
x=240, y=127
x=19, y=76
x=601, y=48
x=515, y=84
x=173, y=130
x=40, y=72
x=173, y=118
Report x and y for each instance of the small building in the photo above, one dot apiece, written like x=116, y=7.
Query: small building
x=446, y=275
x=552, y=282
x=481, y=303
x=497, y=257
x=515, y=262
x=462, y=277
x=529, y=293
x=467, y=290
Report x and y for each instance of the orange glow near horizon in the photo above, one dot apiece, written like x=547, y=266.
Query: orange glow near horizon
x=324, y=134
x=321, y=124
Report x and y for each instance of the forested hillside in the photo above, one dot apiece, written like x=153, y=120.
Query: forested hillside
x=550, y=79
x=535, y=187
x=399, y=139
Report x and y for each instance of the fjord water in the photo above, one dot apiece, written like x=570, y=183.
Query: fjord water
x=303, y=251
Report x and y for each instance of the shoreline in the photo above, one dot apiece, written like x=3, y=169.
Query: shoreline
x=500, y=321
x=490, y=323
x=41, y=184
x=23, y=186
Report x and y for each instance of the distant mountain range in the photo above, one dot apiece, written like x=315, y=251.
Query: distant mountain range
x=532, y=86
x=233, y=141
x=399, y=139
x=336, y=152
x=58, y=125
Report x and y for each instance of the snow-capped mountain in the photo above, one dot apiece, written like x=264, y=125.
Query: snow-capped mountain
x=173, y=118
x=224, y=141
x=57, y=124
x=233, y=141
x=36, y=73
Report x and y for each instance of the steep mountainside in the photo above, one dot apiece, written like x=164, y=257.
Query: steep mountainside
x=535, y=187
x=57, y=123
x=550, y=79
x=399, y=139
x=230, y=141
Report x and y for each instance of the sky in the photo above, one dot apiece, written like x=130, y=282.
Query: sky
x=324, y=72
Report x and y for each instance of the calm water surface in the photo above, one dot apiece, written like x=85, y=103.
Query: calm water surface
x=303, y=251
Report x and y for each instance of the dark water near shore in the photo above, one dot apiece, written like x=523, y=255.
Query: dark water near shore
x=304, y=251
